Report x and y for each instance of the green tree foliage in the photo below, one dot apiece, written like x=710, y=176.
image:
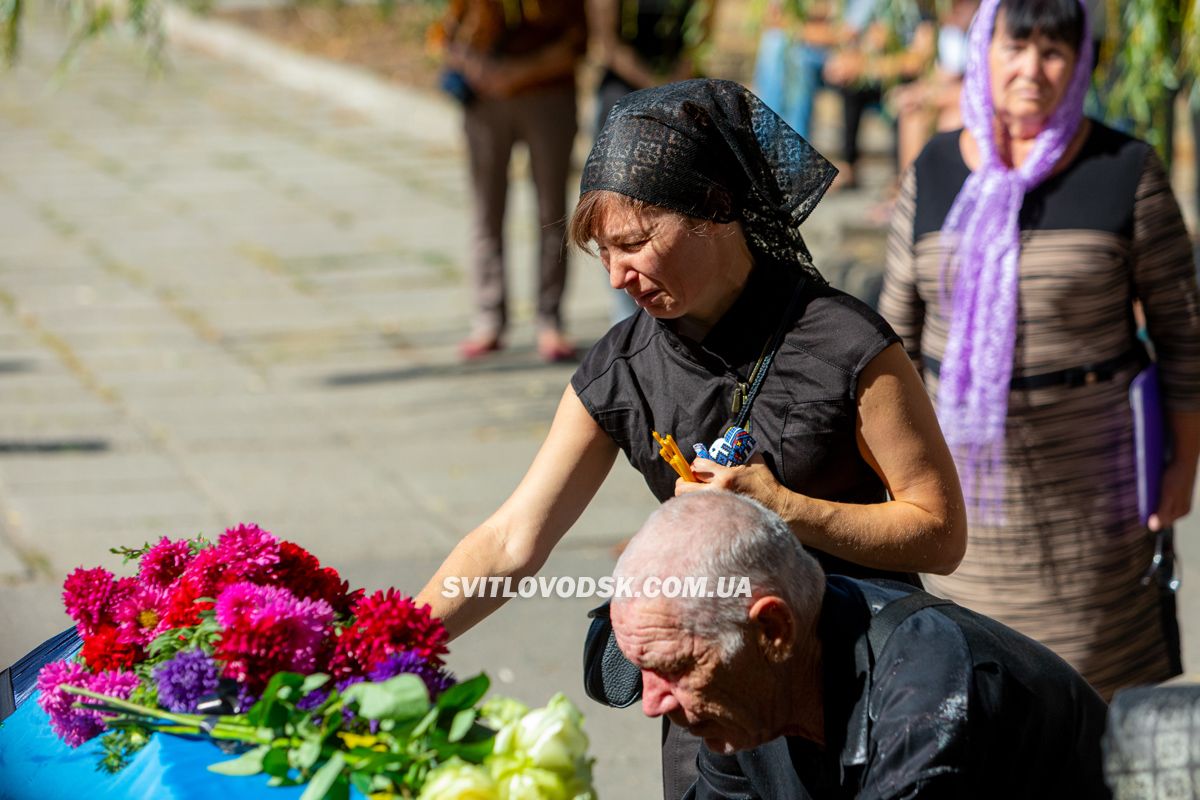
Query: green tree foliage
x=1151, y=51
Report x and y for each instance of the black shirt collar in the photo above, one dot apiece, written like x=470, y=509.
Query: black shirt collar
x=738, y=338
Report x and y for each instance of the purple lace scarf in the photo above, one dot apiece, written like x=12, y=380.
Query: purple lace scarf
x=977, y=366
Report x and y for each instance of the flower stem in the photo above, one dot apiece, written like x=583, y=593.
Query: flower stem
x=223, y=728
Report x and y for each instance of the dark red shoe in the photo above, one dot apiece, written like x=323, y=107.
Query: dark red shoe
x=557, y=353
x=474, y=349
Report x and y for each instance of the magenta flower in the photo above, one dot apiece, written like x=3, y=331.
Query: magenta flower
x=76, y=725
x=164, y=562
x=248, y=551
x=139, y=612
x=267, y=629
x=239, y=602
x=86, y=595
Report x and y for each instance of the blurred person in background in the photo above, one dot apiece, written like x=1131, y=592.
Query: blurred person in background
x=792, y=51
x=865, y=65
x=640, y=44
x=512, y=65
x=1017, y=250
x=930, y=104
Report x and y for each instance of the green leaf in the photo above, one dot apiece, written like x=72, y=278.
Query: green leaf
x=422, y=726
x=474, y=747
x=313, y=682
x=402, y=697
x=462, y=723
x=324, y=779
x=282, y=680
x=249, y=763
x=380, y=783
x=465, y=694
x=275, y=762
x=306, y=754
x=362, y=782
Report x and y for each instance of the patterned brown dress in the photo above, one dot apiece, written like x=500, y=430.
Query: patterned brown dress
x=1065, y=565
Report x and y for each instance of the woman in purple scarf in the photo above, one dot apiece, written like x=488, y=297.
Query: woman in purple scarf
x=1020, y=247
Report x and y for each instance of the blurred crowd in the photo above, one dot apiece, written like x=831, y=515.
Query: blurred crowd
x=514, y=63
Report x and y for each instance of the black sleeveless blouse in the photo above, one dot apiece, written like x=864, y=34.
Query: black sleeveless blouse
x=642, y=377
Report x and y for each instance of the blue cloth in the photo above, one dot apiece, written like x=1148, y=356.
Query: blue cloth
x=36, y=765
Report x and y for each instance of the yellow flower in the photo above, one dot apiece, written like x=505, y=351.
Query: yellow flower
x=353, y=740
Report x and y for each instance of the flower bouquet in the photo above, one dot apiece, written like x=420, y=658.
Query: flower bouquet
x=252, y=644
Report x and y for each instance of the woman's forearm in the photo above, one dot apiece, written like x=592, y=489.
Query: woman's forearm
x=922, y=529
x=484, y=553
x=898, y=535
x=517, y=539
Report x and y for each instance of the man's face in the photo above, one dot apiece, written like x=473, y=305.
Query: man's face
x=686, y=679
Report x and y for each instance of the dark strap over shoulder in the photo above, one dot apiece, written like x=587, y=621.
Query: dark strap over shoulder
x=891, y=616
x=743, y=400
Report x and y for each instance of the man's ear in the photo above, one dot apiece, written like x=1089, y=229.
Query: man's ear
x=773, y=626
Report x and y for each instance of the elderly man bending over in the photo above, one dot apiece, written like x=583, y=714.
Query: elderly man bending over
x=828, y=687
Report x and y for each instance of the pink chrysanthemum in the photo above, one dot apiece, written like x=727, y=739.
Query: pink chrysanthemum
x=139, y=613
x=241, y=602
x=386, y=623
x=164, y=562
x=203, y=573
x=248, y=552
x=76, y=725
x=267, y=629
x=86, y=595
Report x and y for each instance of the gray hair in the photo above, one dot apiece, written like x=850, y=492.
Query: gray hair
x=715, y=535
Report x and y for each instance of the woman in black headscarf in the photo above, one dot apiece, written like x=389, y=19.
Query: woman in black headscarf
x=694, y=193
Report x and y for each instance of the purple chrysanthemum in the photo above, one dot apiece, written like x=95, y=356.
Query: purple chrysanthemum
x=436, y=680
x=76, y=725
x=164, y=562
x=318, y=696
x=185, y=679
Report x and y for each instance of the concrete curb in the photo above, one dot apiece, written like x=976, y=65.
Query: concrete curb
x=421, y=115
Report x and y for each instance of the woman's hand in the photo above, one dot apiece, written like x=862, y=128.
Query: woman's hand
x=754, y=480
x=1178, y=483
x=1179, y=477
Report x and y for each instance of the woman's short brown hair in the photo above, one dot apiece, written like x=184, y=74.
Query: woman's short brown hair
x=593, y=208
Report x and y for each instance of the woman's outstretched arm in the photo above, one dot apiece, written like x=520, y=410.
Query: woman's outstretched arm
x=515, y=541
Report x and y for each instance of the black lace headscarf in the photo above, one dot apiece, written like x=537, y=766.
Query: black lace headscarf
x=712, y=150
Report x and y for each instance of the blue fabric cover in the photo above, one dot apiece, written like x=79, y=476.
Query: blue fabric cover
x=36, y=765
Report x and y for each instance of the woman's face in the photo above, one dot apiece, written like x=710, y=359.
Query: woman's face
x=1029, y=76
x=670, y=265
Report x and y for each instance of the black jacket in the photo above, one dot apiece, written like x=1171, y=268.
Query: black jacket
x=955, y=705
